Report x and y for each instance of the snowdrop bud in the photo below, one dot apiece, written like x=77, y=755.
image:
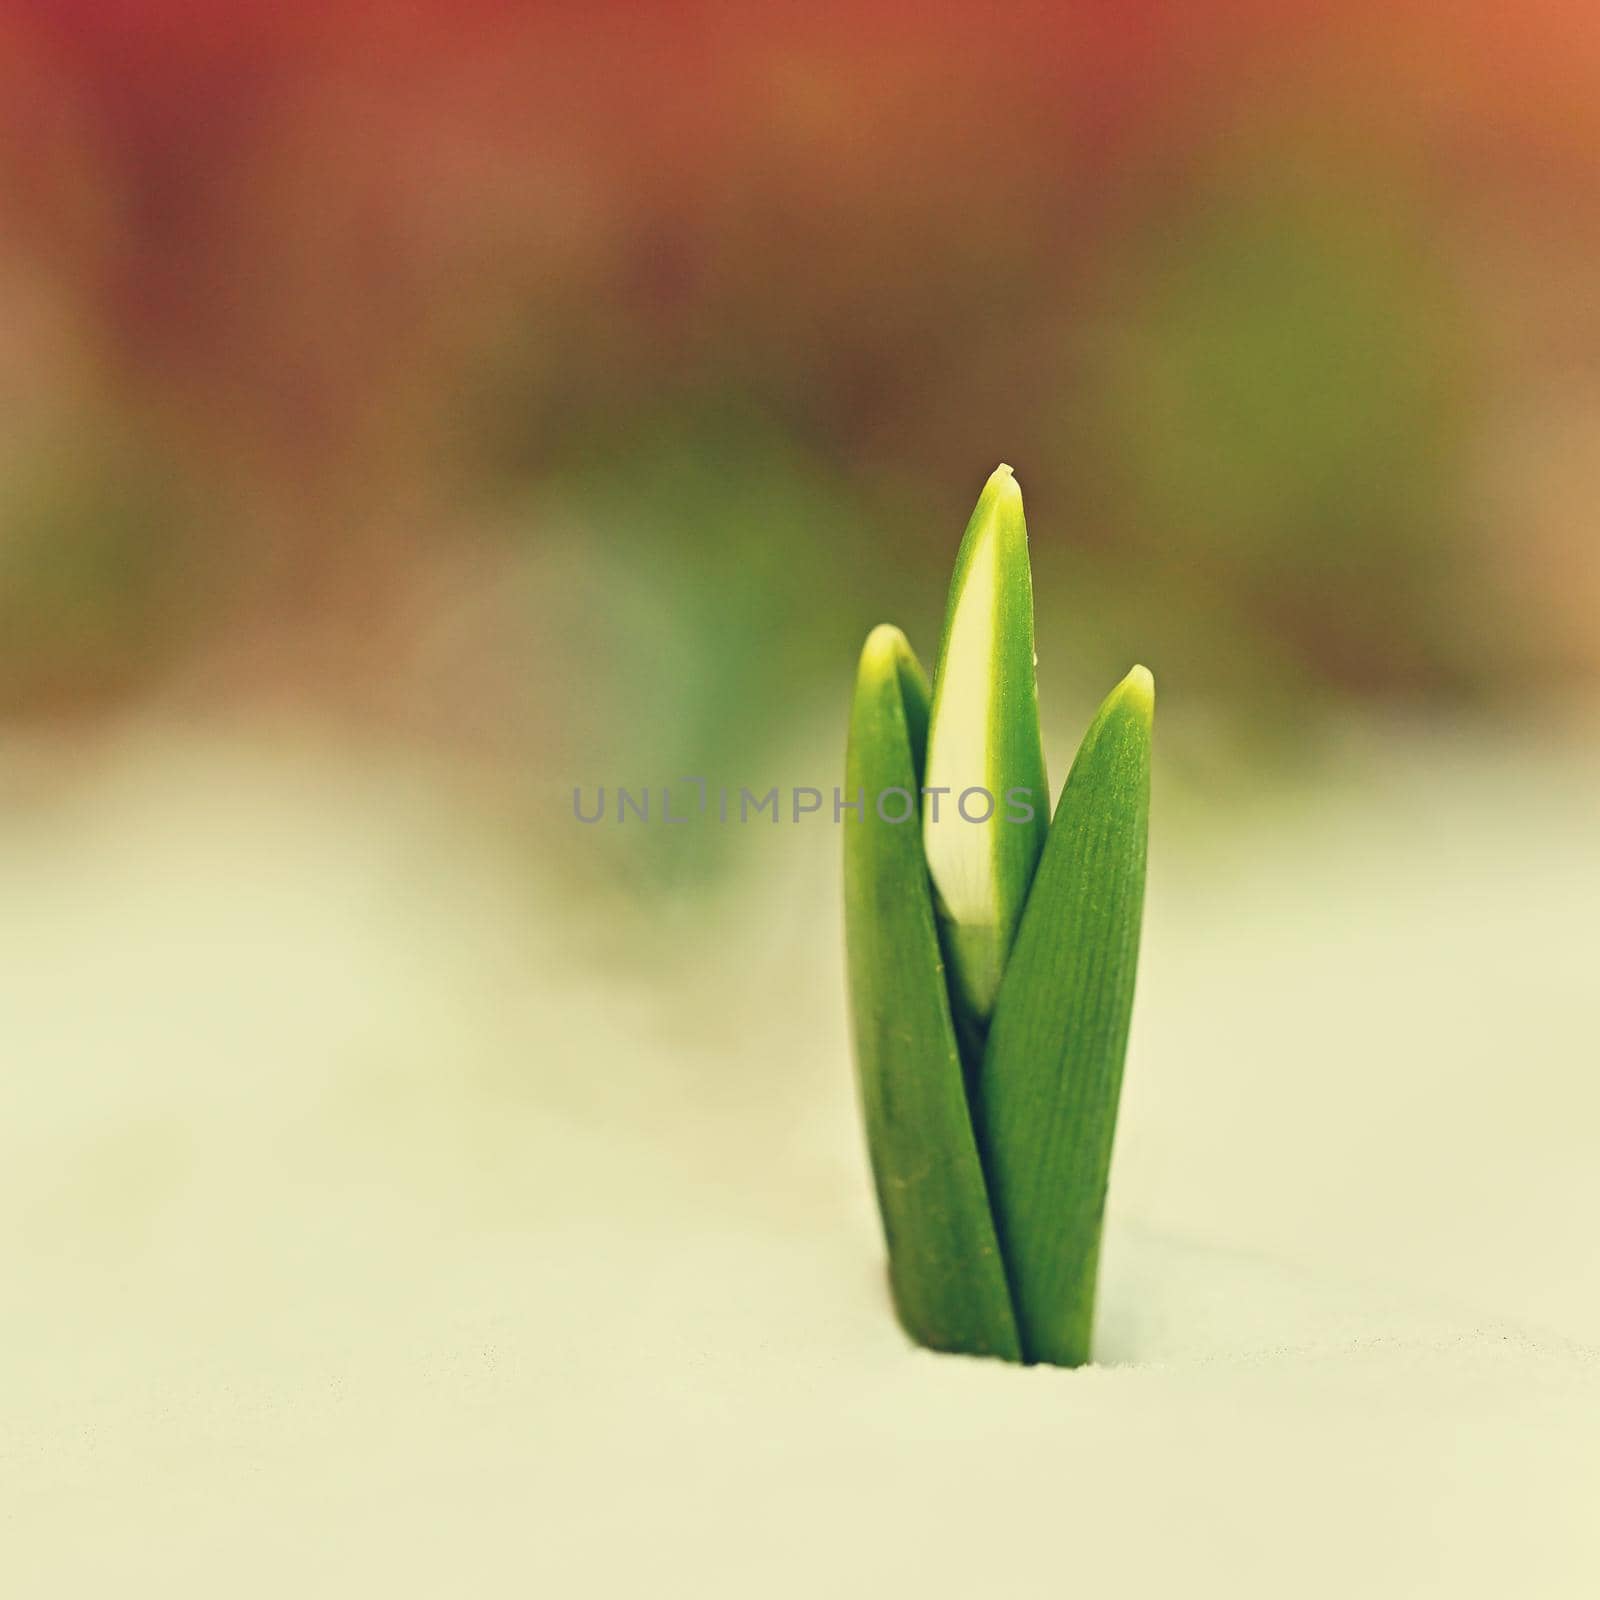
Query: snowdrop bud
x=983, y=735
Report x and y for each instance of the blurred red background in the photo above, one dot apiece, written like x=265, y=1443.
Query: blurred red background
x=586, y=379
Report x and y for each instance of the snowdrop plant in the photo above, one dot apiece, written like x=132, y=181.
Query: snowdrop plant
x=992, y=954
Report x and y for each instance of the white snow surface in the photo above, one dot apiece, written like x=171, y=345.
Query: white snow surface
x=377, y=1220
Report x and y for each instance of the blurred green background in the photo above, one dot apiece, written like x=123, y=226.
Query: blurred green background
x=568, y=389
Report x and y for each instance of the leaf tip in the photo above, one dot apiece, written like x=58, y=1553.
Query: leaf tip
x=1137, y=692
x=1002, y=494
x=885, y=641
x=885, y=651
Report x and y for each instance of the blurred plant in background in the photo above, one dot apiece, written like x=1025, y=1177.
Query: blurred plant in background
x=569, y=384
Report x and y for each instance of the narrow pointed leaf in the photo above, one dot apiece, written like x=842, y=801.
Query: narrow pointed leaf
x=1052, y=1071
x=983, y=735
x=944, y=1260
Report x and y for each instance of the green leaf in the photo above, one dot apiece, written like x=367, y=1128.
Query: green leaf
x=983, y=736
x=944, y=1259
x=1047, y=1093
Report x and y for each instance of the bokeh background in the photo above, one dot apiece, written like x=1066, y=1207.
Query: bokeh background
x=571, y=387
x=409, y=414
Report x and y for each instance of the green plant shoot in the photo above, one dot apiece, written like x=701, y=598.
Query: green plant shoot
x=944, y=1260
x=992, y=955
